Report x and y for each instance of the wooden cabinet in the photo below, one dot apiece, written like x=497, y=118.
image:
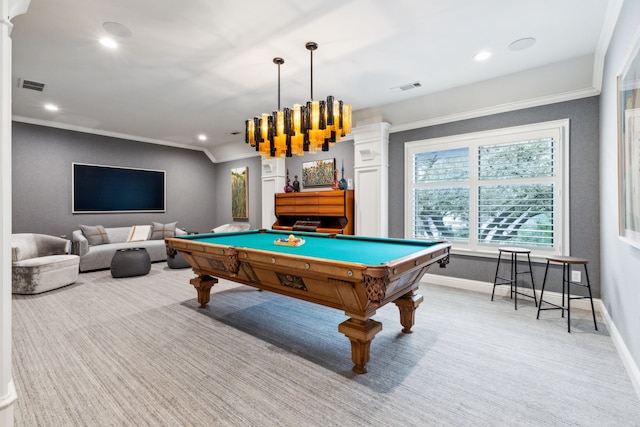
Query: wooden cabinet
x=320, y=211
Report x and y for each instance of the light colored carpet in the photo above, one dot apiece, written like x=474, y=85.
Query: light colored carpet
x=139, y=352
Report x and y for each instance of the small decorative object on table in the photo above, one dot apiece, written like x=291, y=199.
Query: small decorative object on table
x=288, y=188
x=289, y=241
x=296, y=185
x=342, y=185
x=334, y=184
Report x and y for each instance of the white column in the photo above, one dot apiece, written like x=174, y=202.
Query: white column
x=273, y=181
x=9, y=9
x=371, y=179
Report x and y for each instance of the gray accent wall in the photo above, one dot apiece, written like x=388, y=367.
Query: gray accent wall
x=41, y=161
x=584, y=175
x=223, y=191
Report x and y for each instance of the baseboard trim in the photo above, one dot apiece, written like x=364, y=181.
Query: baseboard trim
x=6, y=404
x=623, y=351
x=556, y=298
x=487, y=288
x=10, y=397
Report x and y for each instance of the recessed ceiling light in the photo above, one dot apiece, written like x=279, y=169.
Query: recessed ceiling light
x=522, y=44
x=202, y=137
x=482, y=55
x=51, y=107
x=108, y=42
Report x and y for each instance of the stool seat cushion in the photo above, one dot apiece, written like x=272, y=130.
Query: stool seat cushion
x=568, y=259
x=514, y=249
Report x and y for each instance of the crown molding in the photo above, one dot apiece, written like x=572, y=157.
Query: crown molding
x=608, y=27
x=497, y=109
x=107, y=133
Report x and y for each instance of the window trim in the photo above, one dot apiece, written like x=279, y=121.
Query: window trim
x=557, y=129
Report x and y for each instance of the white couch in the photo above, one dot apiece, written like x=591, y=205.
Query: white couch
x=97, y=257
x=41, y=263
x=234, y=226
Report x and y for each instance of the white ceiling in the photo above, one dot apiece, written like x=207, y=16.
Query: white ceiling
x=205, y=66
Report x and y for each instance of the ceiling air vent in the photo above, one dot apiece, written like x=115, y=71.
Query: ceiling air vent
x=406, y=87
x=30, y=84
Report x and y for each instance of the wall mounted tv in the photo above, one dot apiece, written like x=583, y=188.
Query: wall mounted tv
x=102, y=189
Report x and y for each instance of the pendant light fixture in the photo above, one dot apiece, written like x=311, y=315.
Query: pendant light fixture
x=305, y=128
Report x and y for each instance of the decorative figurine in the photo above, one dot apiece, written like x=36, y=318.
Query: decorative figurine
x=343, y=182
x=288, y=188
x=296, y=185
x=334, y=184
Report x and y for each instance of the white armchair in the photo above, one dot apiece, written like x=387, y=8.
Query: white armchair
x=41, y=263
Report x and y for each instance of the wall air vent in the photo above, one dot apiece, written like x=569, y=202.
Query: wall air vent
x=30, y=84
x=406, y=87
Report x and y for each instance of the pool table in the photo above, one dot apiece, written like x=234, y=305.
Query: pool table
x=350, y=273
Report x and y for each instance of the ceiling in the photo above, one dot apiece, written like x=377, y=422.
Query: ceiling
x=204, y=67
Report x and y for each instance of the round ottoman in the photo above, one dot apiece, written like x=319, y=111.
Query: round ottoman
x=177, y=261
x=130, y=262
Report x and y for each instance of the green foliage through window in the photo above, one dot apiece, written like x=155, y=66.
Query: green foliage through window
x=507, y=187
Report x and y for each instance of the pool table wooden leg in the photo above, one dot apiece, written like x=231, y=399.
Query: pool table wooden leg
x=203, y=285
x=360, y=333
x=407, y=305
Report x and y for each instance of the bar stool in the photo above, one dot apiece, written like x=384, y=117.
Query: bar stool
x=512, y=281
x=567, y=262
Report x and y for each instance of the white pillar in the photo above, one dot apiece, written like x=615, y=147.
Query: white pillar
x=371, y=179
x=9, y=9
x=273, y=181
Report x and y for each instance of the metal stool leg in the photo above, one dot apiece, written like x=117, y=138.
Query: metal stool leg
x=567, y=263
x=593, y=312
x=566, y=268
x=544, y=281
x=514, y=277
x=564, y=284
x=495, y=279
x=514, y=272
x=533, y=286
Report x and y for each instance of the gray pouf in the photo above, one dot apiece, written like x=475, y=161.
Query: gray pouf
x=130, y=262
x=177, y=261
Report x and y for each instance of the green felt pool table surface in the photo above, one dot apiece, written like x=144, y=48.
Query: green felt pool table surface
x=353, y=249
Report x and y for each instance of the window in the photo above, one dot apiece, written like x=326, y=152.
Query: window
x=490, y=189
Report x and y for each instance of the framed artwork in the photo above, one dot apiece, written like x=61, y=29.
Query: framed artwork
x=318, y=173
x=629, y=148
x=240, y=193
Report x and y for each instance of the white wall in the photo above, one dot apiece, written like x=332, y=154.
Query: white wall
x=620, y=262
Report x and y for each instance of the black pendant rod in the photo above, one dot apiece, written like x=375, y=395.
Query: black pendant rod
x=311, y=46
x=278, y=62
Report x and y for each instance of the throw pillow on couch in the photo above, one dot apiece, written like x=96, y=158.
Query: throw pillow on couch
x=160, y=231
x=95, y=234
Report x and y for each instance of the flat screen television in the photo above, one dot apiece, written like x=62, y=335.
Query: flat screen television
x=102, y=189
